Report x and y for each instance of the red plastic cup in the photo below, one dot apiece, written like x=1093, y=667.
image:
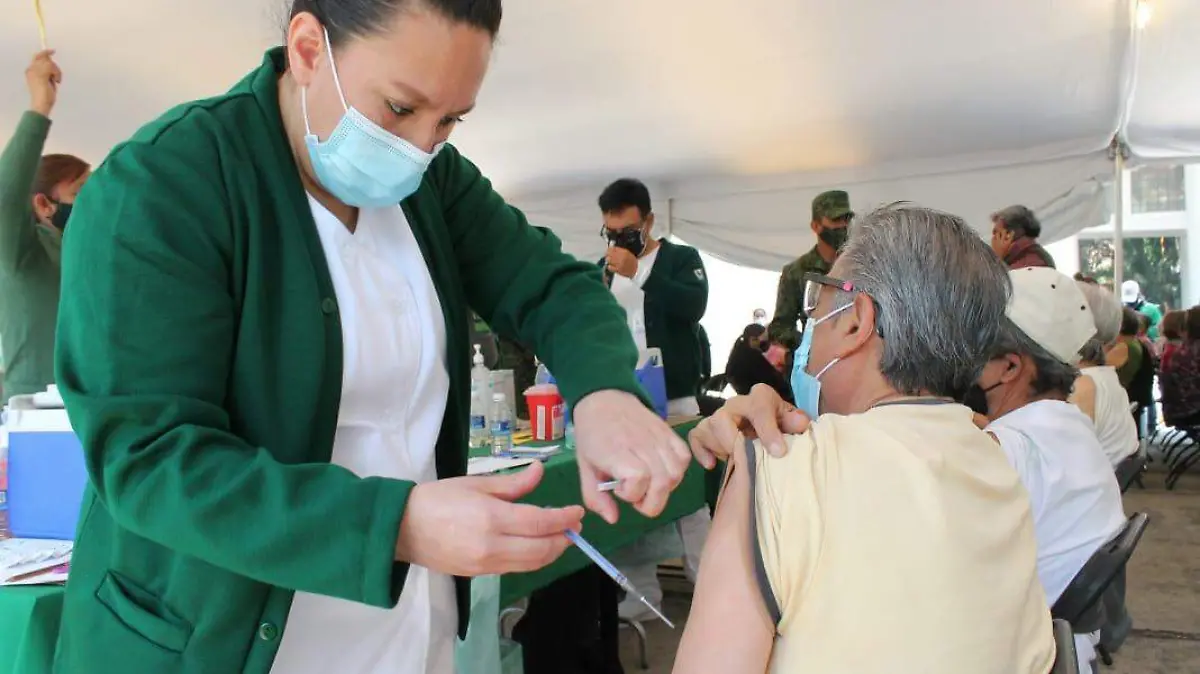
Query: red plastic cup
x=545, y=414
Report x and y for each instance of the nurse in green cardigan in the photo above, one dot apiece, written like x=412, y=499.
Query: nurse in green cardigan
x=263, y=346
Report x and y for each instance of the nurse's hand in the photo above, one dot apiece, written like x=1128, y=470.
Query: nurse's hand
x=762, y=414
x=468, y=526
x=617, y=438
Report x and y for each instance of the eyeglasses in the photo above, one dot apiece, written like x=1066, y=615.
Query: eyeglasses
x=813, y=282
x=812, y=288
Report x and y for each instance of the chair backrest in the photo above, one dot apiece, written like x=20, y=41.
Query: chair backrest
x=1066, y=658
x=1129, y=469
x=1080, y=604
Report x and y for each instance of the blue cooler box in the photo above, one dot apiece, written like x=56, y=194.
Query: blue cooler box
x=651, y=376
x=46, y=473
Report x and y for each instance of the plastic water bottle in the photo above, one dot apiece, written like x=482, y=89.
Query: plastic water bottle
x=570, y=432
x=4, y=533
x=502, y=426
x=481, y=381
x=480, y=433
x=543, y=375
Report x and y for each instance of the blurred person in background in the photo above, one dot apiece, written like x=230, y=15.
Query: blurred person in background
x=37, y=194
x=663, y=288
x=831, y=215
x=1098, y=391
x=760, y=317
x=1015, y=232
x=1134, y=363
x=1171, y=332
x=1181, y=380
x=748, y=364
x=861, y=550
x=1131, y=295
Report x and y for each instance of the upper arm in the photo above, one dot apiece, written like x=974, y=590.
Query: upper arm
x=518, y=279
x=1083, y=395
x=18, y=170
x=729, y=628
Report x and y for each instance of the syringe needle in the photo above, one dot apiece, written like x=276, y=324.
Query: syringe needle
x=657, y=612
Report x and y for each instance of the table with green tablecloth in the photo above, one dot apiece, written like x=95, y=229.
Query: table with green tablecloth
x=29, y=616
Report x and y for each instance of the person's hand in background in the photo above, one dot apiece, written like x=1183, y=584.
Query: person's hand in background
x=620, y=261
x=762, y=415
x=42, y=77
x=468, y=526
x=618, y=438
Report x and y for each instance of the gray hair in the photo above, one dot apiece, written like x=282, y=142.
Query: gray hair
x=1106, y=314
x=939, y=293
x=1053, y=375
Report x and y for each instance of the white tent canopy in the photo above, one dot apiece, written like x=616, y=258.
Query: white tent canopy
x=736, y=112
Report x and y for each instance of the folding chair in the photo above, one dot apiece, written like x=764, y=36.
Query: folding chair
x=1081, y=604
x=1130, y=470
x=1066, y=658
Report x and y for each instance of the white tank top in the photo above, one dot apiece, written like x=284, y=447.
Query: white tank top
x=1114, y=422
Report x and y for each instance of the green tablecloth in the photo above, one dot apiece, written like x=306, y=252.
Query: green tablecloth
x=29, y=616
x=28, y=628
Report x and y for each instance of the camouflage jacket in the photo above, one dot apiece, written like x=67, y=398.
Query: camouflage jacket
x=789, y=303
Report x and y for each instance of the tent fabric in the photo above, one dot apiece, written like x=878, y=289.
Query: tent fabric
x=735, y=111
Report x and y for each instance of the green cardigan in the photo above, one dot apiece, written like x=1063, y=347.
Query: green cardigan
x=199, y=354
x=29, y=269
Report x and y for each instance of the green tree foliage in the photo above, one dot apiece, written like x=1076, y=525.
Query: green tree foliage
x=1151, y=261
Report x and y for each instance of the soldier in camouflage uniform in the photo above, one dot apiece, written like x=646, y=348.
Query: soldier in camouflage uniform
x=831, y=215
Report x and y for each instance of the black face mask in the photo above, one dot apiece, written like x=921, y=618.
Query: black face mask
x=835, y=238
x=976, y=398
x=60, y=217
x=631, y=239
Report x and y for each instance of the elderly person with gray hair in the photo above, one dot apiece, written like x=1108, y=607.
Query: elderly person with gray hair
x=892, y=533
x=1098, y=392
x=1051, y=443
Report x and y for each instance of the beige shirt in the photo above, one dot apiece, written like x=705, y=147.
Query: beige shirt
x=899, y=539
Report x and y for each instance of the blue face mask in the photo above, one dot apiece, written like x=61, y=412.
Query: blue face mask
x=362, y=164
x=806, y=387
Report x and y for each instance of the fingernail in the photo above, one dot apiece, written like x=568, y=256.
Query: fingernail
x=775, y=448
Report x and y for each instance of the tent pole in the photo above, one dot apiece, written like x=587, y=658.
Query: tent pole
x=1119, y=221
x=670, y=217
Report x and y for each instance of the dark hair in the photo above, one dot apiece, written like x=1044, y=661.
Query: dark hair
x=345, y=19
x=1192, y=323
x=1173, y=325
x=753, y=331
x=56, y=169
x=1020, y=221
x=1130, y=322
x=624, y=193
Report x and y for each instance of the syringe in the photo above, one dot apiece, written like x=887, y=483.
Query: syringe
x=614, y=573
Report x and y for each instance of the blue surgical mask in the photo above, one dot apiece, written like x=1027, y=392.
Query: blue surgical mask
x=806, y=387
x=362, y=164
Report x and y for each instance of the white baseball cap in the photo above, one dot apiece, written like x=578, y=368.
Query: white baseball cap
x=1130, y=291
x=1051, y=310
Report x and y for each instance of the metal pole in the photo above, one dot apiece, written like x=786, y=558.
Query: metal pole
x=670, y=217
x=1119, y=222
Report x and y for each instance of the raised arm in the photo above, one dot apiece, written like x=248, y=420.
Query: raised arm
x=19, y=163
